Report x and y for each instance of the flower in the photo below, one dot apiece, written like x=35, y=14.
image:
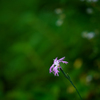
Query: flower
x=55, y=66
x=88, y=35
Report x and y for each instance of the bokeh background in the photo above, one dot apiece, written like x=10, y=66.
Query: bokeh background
x=33, y=33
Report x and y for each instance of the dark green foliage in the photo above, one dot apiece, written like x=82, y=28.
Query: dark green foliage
x=33, y=33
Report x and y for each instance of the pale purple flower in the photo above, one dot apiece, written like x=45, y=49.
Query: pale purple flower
x=55, y=66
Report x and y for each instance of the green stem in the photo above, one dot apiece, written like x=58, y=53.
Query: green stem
x=68, y=77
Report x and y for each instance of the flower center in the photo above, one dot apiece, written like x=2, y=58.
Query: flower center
x=57, y=63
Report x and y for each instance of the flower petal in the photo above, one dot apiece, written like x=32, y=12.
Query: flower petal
x=50, y=70
x=61, y=59
x=55, y=59
x=64, y=62
x=55, y=69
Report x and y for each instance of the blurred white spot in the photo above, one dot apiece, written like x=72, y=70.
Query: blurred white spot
x=58, y=11
x=89, y=0
x=59, y=22
x=89, y=10
x=87, y=35
x=94, y=0
x=90, y=35
x=89, y=78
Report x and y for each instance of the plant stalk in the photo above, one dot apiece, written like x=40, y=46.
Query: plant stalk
x=68, y=77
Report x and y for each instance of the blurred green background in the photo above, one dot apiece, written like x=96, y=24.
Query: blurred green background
x=33, y=33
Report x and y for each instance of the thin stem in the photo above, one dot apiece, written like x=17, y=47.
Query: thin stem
x=68, y=77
